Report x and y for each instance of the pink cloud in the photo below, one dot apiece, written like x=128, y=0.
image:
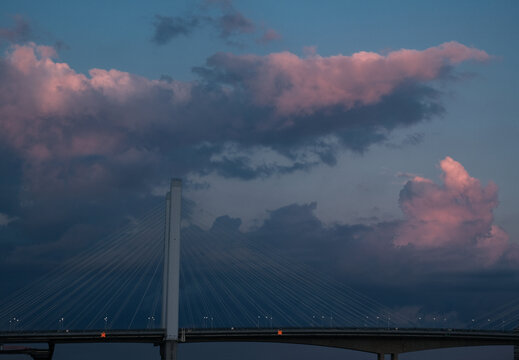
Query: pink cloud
x=74, y=131
x=48, y=109
x=268, y=36
x=295, y=85
x=62, y=123
x=454, y=215
x=46, y=103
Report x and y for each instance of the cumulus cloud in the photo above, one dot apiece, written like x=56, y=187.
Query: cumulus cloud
x=369, y=255
x=108, y=134
x=448, y=228
x=449, y=237
x=293, y=85
x=458, y=213
x=51, y=112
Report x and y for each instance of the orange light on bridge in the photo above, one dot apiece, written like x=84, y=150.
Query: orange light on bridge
x=280, y=332
x=103, y=334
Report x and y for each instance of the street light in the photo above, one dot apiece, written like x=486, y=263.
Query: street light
x=13, y=323
x=151, y=322
x=60, y=323
x=267, y=319
x=106, y=321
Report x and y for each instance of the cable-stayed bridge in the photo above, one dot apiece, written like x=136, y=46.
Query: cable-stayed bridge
x=140, y=285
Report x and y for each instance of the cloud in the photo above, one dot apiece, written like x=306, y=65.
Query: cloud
x=228, y=22
x=447, y=228
x=362, y=256
x=413, y=276
x=167, y=28
x=108, y=135
x=109, y=123
x=234, y=23
x=293, y=85
x=6, y=219
x=457, y=214
x=268, y=36
x=20, y=32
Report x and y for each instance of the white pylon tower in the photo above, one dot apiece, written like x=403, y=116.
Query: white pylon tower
x=171, y=276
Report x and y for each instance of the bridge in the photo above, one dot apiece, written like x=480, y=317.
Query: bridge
x=374, y=339
x=379, y=341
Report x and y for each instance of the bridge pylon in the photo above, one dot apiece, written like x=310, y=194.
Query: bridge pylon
x=171, y=274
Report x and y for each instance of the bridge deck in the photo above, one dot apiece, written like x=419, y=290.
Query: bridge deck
x=362, y=339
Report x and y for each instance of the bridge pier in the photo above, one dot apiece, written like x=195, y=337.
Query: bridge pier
x=168, y=350
x=516, y=352
x=170, y=298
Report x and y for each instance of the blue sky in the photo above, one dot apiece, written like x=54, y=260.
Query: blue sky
x=214, y=103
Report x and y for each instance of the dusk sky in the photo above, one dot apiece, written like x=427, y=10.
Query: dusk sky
x=380, y=136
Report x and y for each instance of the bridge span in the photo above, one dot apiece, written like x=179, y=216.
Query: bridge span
x=379, y=341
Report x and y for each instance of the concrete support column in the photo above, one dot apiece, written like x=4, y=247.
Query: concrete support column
x=168, y=350
x=170, y=298
x=516, y=352
x=166, y=262
x=172, y=261
x=380, y=356
x=394, y=356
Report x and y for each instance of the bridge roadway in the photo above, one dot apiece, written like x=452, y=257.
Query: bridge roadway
x=374, y=340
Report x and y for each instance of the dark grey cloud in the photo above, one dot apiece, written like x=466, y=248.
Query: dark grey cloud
x=443, y=257
x=293, y=242
x=167, y=28
x=20, y=31
x=365, y=257
x=228, y=22
x=234, y=23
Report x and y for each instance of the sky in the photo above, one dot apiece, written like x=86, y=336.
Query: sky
x=388, y=127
